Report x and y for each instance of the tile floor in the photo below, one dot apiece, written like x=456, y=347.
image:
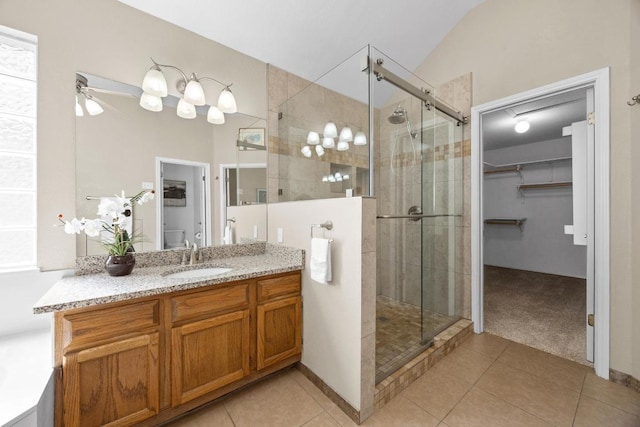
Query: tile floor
x=487, y=381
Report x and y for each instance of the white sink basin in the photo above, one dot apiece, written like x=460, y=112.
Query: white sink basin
x=201, y=272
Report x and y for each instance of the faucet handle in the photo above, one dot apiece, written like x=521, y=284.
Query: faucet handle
x=186, y=243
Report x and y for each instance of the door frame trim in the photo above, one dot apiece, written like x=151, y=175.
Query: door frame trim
x=159, y=200
x=599, y=80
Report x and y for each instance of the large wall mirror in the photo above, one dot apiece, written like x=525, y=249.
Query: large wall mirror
x=188, y=162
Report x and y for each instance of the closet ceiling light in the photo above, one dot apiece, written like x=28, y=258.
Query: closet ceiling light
x=522, y=126
x=154, y=86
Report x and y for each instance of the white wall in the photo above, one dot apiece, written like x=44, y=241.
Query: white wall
x=19, y=291
x=247, y=217
x=335, y=325
x=542, y=246
x=511, y=47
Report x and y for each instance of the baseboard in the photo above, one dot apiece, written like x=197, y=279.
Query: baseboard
x=328, y=391
x=624, y=379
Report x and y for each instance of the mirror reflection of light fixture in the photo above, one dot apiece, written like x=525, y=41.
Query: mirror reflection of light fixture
x=319, y=150
x=82, y=94
x=346, y=135
x=360, y=139
x=313, y=138
x=330, y=130
x=343, y=146
x=155, y=85
x=328, y=142
x=522, y=126
x=335, y=177
x=306, y=151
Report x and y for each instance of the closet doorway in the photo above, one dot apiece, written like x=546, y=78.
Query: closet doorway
x=540, y=219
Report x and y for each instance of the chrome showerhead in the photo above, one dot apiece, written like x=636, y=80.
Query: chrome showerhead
x=398, y=116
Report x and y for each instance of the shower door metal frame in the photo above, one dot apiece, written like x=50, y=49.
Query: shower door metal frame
x=382, y=73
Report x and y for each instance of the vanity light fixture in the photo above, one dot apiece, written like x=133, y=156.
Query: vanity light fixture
x=343, y=145
x=154, y=86
x=306, y=151
x=319, y=150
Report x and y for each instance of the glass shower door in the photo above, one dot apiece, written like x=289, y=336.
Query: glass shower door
x=441, y=230
x=418, y=187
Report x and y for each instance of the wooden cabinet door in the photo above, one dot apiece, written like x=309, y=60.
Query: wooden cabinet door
x=209, y=354
x=113, y=384
x=279, y=331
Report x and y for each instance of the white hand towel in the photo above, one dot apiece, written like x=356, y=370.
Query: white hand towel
x=320, y=263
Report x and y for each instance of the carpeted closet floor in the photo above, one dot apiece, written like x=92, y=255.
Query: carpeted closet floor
x=540, y=310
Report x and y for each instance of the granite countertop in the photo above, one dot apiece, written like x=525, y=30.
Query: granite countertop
x=86, y=290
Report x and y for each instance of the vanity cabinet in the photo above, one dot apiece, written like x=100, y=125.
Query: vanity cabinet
x=147, y=360
x=110, y=364
x=279, y=320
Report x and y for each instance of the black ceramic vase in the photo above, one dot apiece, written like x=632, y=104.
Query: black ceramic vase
x=120, y=265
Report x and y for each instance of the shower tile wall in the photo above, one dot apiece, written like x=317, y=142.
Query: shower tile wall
x=297, y=106
x=396, y=192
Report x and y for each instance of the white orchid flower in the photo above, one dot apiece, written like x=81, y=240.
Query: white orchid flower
x=92, y=227
x=109, y=208
x=73, y=227
x=149, y=195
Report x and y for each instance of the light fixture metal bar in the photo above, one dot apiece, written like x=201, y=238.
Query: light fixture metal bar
x=384, y=74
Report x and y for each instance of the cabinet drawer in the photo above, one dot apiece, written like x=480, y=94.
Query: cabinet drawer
x=209, y=302
x=279, y=286
x=91, y=326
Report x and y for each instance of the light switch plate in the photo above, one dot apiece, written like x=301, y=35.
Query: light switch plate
x=147, y=185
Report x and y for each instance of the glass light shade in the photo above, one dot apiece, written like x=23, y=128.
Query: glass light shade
x=193, y=93
x=215, y=116
x=343, y=145
x=325, y=179
x=151, y=102
x=319, y=150
x=93, y=108
x=227, y=102
x=345, y=177
x=79, y=112
x=154, y=83
x=522, y=126
x=332, y=178
x=313, y=138
x=330, y=130
x=306, y=151
x=360, y=139
x=328, y=142
x=186, y=110
x=346, y=134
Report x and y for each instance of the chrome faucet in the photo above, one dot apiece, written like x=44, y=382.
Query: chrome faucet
x=194, y=255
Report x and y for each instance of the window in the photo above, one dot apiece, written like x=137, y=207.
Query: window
x=18, y=167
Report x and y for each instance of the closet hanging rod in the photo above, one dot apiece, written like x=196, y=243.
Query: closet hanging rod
x=533, y=162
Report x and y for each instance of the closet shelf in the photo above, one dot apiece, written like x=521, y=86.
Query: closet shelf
x=533, y=162
x=518, y=222
x=544, y=185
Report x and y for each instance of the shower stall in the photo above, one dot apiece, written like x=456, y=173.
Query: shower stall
x=418, y=184
x=412, y=163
